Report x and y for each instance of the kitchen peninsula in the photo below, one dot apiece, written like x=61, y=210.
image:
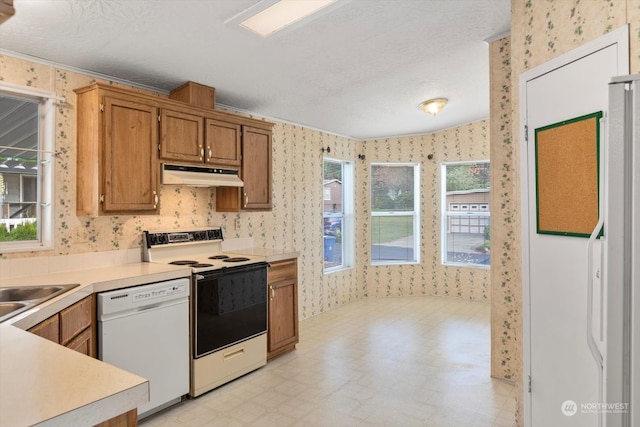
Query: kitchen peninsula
x=47, y=384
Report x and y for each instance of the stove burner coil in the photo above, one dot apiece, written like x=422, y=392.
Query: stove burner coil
x=201, y=265
x=219, y=257
x=235, y=259
x=183, y=262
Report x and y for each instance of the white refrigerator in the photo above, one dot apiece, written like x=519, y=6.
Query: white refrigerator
x=614, y=332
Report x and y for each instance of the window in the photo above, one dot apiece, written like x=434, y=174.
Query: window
x=465, y=213
x=338, y=214
x=26, y=163
x=395, y=199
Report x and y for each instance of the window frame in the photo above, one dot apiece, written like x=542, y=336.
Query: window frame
x=415, y=214
x=462, y=208
x=46, y=101
x=346, y=215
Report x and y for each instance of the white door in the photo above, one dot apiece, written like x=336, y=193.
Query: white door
x=563, y=373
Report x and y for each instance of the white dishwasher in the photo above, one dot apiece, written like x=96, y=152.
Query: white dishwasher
x=145, y=330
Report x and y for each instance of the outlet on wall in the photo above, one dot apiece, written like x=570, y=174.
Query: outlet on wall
x=237, y=223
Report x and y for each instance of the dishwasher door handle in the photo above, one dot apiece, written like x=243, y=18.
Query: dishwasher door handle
x=149, y=307
x=135, y=310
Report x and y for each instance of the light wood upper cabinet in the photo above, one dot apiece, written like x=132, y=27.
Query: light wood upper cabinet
x=117, y=163
x=193, y=138
x=255, y=173
x=256, y=168
x=123, y=135
x=181, y=136
x=222, y=142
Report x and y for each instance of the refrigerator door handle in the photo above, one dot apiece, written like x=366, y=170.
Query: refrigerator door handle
x=591, y=340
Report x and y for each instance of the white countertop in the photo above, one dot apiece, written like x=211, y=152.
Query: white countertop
x=270, y=255
x=43, y=382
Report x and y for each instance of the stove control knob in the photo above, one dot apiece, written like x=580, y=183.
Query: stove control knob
x=159, y=239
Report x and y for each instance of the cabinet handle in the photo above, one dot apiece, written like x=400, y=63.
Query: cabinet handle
x=273, y=293
x=201, y=152
x=210, y=154
x=246, y=200
x=155, y=199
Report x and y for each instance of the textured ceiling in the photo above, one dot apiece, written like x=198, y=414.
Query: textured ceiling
x=359, y=69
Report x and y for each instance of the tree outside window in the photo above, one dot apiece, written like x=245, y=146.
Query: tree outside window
x=394, y=213
x=26, y=154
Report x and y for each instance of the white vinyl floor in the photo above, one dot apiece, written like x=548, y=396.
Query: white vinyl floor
x=396, y=361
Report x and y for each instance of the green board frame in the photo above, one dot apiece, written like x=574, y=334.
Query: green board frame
x=567, y=157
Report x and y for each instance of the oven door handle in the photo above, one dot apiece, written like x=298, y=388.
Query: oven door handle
x=199, y=277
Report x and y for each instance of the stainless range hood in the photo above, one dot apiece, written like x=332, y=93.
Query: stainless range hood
x=197, y=176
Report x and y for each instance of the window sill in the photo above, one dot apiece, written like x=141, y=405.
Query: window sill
x=336, y=269
x=456, y=265
x=14, y=247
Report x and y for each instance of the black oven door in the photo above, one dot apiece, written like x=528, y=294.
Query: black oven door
x=230, y=305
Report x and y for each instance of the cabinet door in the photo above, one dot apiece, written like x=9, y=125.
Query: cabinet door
x=282, y=324
x=283, y=307
x=130, y=159
x=181, y=136
x=84, y=343
x=256, y=168
x=222, y=143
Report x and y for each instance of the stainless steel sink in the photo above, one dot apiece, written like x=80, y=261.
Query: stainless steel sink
x=16, y=299
x=9, y=307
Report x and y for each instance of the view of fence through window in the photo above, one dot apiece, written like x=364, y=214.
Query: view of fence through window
x=394, y=212
x=19, y=143
x=466, y=214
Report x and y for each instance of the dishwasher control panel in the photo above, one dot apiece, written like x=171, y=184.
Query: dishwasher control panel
x=140, y=297
x=148, y=294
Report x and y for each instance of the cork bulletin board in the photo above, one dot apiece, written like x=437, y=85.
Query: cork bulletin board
x=567, y=158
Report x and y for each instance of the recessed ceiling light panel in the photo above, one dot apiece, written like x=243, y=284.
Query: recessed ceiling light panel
x=282, y=14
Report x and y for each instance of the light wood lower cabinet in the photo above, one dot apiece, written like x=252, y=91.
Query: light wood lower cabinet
x=282, y=335
x=75, y=328
x=128, y=419
x=48, y=329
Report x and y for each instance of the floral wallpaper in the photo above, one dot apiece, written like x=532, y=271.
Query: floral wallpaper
x=540, y=31
x=296, y=219
x=506, y=305
x=429, y=277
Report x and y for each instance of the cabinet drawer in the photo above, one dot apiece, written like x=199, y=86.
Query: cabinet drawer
x=75, y=319
x=283, y=270
x=49, y=329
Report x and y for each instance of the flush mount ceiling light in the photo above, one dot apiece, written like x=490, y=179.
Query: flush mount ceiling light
x=433, y=106
x=282, y=14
